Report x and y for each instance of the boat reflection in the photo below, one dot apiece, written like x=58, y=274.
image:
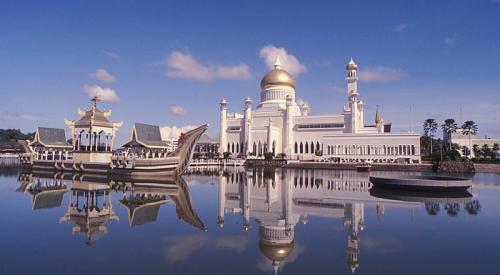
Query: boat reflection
x=90, y=202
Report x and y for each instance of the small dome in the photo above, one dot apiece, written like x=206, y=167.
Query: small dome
x=277, y=77
x=275, y=252
x=351, y=65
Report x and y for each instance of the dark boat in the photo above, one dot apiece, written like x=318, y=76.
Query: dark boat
x=421, y=196
x=423, y=183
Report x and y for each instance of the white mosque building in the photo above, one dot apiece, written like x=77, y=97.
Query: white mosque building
x=281, y=126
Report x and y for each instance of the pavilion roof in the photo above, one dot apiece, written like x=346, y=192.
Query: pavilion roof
x=96, y=117
x=146, y=135
x=51, y=137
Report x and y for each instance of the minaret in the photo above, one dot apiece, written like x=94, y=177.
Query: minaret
x=379, y=122
x=352, y=79
x=354, y=104
x=222, y=200
x=288, y=137
x=223, y=127
x=247, y=120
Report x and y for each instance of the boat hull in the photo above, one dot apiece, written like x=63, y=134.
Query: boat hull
x=159, y=169
x=422, y=183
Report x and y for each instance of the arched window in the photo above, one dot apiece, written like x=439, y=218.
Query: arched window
x=317, y=146
x=228, y=147
x=301, y=148
x=312, y=147
x=274, y=147
x=296, y=148
x=254, y=148
x=237, y=147
x=307, y=148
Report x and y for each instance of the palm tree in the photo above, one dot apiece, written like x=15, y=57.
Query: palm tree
x=496, y=150
x=476, y=150
x=430, y=128
x=469, y=128
x=449, y=127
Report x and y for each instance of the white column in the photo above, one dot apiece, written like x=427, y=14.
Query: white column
x=223, y=126
x=247, y=124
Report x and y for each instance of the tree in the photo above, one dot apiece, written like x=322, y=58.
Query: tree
x=268, y=155
x=487, y=151
x=465, y=150
x=430, y=128
x=476, y=151
x=227, y=155
x=469, y=128
x=496, y=150
x=449, y=127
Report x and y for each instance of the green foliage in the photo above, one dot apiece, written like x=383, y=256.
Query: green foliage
x=9, y=137
x=268, y=155
x=196, y=156
x=430, y=127
x=227, y=155
x=318, y=153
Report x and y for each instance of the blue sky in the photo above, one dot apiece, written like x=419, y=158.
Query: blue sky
x=169, y=63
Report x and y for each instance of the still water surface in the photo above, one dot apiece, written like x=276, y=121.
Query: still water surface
x=241, y=221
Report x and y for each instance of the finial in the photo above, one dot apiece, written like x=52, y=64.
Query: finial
x=95, y=99
x=277, y=64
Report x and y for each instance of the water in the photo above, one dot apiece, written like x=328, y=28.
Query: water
x=261, y=221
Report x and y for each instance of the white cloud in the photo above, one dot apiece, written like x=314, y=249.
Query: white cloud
x=400, y=27
x=174, y=132
x=380, y=74
x=184, y=65
x=103, y=75
x=112, y=55
x=181, y=248
x=289, y=62
x=177, y=111
x=104, y=94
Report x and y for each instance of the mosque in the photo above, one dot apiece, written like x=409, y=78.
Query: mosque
x=281, y=125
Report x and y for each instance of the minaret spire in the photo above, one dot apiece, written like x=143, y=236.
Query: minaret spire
x=277, y=63
x=377, y=117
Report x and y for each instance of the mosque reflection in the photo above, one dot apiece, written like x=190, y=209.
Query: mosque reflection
x=280, y=199
x=277, y=200
x=90, y=205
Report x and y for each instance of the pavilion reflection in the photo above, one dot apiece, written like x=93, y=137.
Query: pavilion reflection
x=90, y=203
x=44, y=192
x=279, y=199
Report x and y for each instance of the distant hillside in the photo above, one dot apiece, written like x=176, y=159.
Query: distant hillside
x=9, y=138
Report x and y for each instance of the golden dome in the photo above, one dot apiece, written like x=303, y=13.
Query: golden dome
x=277, y=77
x=275, y=252
x=351, y=65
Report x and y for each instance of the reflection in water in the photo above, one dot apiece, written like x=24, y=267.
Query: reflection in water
x=90, y=205
x=90, y=209
x=279, y=199
x=45, y=193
